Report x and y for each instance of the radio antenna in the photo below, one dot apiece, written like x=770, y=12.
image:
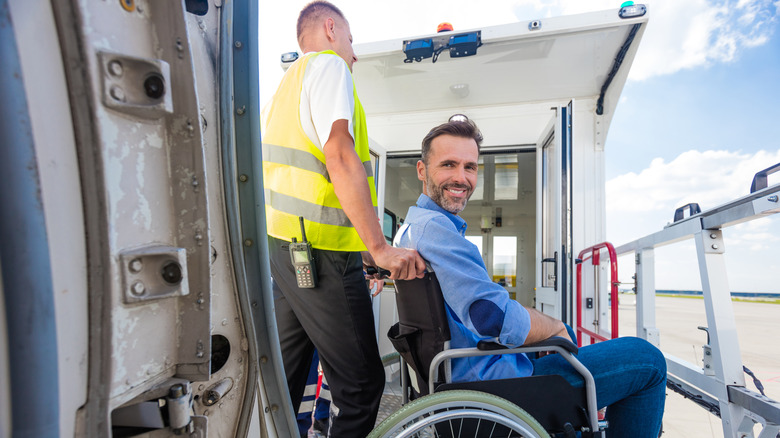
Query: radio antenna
x=303, y=230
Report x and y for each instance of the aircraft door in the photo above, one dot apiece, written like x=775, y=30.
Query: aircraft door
x=553, y=209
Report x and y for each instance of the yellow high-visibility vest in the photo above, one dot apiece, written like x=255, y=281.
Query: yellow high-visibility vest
x=296, y=181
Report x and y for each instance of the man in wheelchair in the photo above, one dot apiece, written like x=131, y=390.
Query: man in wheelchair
x=629, y=373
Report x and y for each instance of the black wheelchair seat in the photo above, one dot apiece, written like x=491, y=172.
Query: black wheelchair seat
x=422, y=338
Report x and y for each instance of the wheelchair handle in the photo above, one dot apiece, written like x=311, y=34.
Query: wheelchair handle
x=370, y=270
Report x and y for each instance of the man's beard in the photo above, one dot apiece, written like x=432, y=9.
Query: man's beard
x=436, y=193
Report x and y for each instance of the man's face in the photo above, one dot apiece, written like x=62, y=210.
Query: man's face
x=451, y=173
x=343, y=41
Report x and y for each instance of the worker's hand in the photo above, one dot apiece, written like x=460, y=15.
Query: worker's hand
x=403, y=263
x=374, y=279
x=380, y=284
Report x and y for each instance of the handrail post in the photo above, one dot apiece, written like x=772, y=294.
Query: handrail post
x=727, y=359
x=645, y=296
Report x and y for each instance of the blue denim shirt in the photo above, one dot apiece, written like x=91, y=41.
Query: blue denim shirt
x=477, y=308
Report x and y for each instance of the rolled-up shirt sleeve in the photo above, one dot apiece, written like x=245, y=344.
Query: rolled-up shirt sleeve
x=481, y=305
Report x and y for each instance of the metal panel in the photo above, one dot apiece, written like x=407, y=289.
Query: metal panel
x=765, y=407
x=143, y=183
x=686, y=372
x=26, y=270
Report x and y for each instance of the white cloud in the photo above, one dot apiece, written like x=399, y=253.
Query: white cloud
x=694, y=33
x=681, y=34
x=642, y=203
x=709, y=178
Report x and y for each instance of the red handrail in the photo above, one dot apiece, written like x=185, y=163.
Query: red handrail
x=594, y=250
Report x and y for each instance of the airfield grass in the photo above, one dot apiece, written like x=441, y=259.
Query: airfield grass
x=699, y=297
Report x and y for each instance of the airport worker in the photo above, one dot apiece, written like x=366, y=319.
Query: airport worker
x=630, y=373
x=317, y=176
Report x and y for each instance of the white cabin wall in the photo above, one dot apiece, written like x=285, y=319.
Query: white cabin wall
x=47, y=100
x=589, y=201
x=501, y=125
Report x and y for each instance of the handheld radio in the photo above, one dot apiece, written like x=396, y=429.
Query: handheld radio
x=303, y=263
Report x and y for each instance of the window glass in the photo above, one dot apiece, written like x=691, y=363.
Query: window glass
x=505, y=260
x=476, y=240
x=506, y=177
x=375, y=166
x=478, y=194
x=388, y=226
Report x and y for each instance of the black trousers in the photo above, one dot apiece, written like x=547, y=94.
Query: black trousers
x=335, y=317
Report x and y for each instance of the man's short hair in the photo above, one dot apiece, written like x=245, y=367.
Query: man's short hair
x=313, y=12
x=457, y=128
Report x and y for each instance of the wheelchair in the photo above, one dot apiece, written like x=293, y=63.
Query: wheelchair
x=534, y=406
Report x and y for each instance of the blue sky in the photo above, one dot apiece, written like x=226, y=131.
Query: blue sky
x=699, y=134
x=724, y=106
x=697, y=118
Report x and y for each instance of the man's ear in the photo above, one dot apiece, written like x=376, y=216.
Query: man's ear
x=421, y=170
x=330, y=29
x=421, y=175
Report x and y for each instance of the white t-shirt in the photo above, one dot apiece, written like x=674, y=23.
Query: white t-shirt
x=327, y=96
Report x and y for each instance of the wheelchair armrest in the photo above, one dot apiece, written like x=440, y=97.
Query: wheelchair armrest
x=556, y=341
x=490, y=346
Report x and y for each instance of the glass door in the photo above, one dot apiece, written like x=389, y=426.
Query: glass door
x=499, y=214
x=553, y=232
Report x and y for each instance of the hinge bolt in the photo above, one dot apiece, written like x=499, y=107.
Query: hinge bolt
x=138, y=288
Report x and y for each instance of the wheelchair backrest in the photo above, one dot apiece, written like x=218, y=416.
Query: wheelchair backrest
x=422, y=328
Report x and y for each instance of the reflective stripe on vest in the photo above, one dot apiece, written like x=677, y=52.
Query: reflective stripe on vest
x=295, y=178
x=302, y=160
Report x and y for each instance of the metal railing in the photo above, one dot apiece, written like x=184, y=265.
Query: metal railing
x=719, y=385
x=595, y=258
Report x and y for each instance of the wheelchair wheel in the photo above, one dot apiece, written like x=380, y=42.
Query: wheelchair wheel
x=391, y=359
x=459, y=413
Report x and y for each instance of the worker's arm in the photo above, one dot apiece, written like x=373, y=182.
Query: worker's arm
x=543, y=327
x=349, y=182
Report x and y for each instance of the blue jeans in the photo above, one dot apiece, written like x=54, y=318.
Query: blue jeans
x=630, y=375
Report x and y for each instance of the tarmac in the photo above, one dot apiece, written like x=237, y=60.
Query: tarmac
x=677, y=318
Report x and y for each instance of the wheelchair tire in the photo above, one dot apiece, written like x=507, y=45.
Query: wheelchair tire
x=452, y=413
x=391, y=359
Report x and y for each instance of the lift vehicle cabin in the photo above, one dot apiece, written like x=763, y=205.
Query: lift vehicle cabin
x=543, y=93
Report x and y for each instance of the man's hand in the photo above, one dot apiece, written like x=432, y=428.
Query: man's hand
x=403, y=263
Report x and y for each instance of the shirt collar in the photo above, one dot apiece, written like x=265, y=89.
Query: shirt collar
x=427, y=203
